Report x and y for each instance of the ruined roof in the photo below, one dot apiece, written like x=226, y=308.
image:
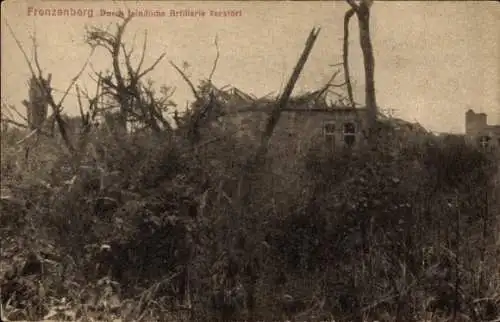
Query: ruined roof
x=405, y=126
x=233, y=100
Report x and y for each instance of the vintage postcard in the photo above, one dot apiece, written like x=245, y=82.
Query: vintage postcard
x=250, y=160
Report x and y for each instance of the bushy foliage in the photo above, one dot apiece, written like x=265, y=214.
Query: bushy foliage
x=160, y=221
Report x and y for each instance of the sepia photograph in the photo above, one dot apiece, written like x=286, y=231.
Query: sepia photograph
x=247, y=161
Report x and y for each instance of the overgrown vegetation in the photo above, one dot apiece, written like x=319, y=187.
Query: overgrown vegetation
x=181, y=222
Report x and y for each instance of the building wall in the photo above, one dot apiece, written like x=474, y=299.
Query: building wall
x=295, y=135
x=475, y=122
x=478, y=130
x=299, y=130
x=305, y=129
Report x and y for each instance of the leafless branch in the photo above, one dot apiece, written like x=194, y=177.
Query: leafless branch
x=116, y=49
x=16, y=123
x=128, y=62
x=216, y=59
x=19, y=114
x=21, y=48
x=113, y=43
x=5, y=111
x=35, y=54
x=336, y=94
x=77, y=76
x=124, y=84
x=329, y=84
x=193, y=89
x=147, y=70
x=353, y=4
x=96, y=37
x=332, y=78
x=143, y=53
x=55, y=107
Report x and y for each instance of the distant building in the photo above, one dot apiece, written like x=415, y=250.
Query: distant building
x=480, y=132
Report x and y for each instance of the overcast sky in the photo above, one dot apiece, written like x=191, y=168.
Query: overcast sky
x=434, y=60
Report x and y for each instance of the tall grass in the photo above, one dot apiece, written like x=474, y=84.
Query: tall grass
x=147, y=227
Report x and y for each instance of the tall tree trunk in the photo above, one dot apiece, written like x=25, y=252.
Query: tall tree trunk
x=345, y=54
x=362, y=11
x=363, y=14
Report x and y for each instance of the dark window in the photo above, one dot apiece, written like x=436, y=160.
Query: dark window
x=349, y=134
x=484, y=141
x=329, y=129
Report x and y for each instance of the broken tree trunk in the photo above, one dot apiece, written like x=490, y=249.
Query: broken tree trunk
x=250, y=175
x=255, y=162
x=276, y=112
x=37, y=105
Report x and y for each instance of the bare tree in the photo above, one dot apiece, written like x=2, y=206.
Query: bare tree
x=43, y=90
x=362, y=11
x=137, y=101
x=200, y=112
